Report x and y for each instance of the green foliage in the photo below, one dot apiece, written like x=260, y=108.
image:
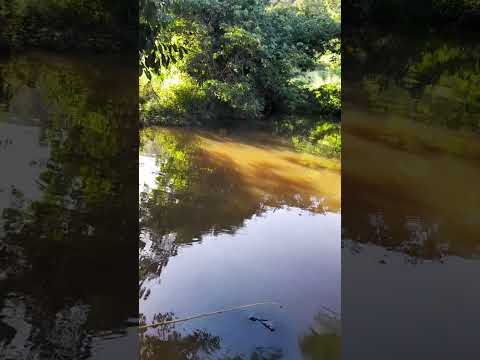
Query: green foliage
x=317, y=130
x=311, y=134
x=328, y=98
x=176, y=101
x=157, y=48
x=242, y=54
x=323, y=139
x=313, y=7
x=321, y=130
x=224, y=63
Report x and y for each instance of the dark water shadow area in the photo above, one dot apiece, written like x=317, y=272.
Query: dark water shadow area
x=69, y=232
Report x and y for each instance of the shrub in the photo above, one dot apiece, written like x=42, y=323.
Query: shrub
x=328, y=98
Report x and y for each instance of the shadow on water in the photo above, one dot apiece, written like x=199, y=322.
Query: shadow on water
x=66, y=205
x=321, y=341
x=197, y=345
x=217, y=217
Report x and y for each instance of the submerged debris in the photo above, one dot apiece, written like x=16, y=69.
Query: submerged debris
x=268, y=324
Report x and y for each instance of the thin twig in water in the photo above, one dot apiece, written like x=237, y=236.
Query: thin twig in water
x=208, y=314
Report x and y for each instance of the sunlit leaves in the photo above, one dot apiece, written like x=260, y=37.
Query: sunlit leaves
x=157, y=47
x=329, y=100
x=239, y=57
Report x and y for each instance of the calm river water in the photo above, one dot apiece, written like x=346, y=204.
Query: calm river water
x=235, y=220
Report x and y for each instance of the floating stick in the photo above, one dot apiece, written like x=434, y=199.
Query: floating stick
x=208, y=314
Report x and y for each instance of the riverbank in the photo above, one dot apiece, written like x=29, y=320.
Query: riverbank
x=254, y=138
x=176, y=100
x=320, y=138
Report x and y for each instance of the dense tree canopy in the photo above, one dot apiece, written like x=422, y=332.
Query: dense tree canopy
x=238, y=58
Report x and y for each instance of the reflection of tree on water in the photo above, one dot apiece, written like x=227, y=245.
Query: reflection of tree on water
x=154, y=254
x=171, y=344
x=205, y=189
x=395, y=224
x=435, y=82
x=59, y=247
x=190, y=186
x=62, y=336
x=323, y=341
x=199, y=344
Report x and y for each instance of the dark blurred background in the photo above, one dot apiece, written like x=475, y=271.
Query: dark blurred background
x=410, y=224
x=69, y=24
x=68, y=179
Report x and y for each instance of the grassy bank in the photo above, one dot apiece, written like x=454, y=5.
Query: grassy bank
x=178, y=101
